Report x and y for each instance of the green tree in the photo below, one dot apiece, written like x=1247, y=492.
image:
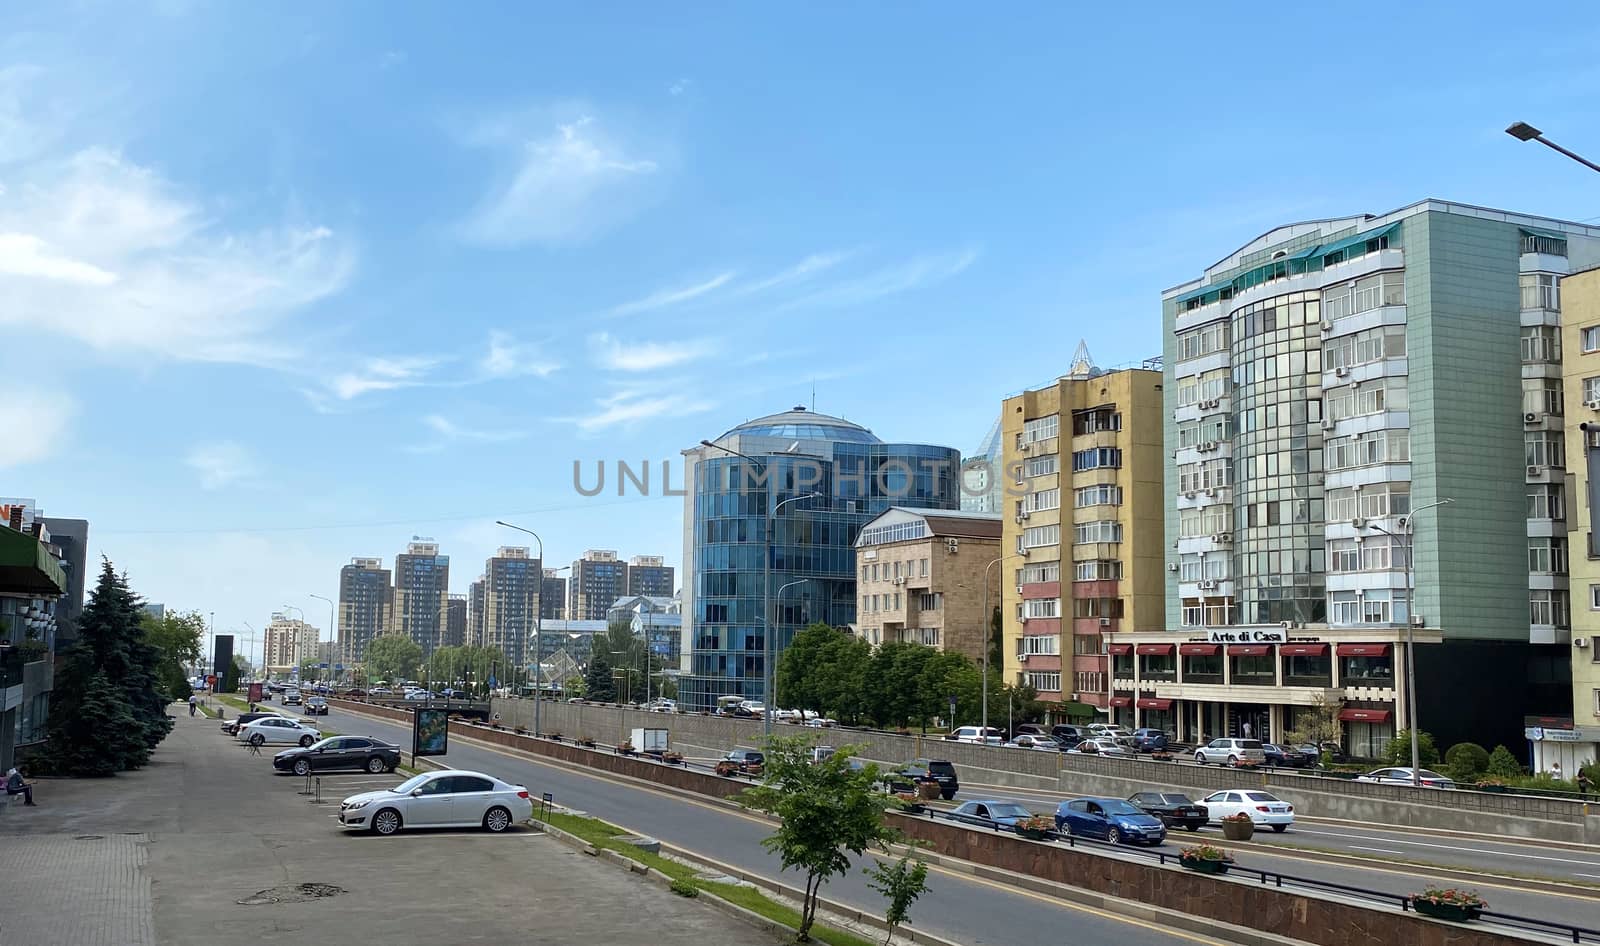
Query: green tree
x=176, y=637
x=392, y=657
x=1319, y=723
x=894, y=697
x=997, y=640
x=797, y=677
x=91, y=740
x=1465, y=761
x=901, y=883
x=1398, y=751
x=597, y=682
x=842, y=677
x=1504, y=765
x=827, y=811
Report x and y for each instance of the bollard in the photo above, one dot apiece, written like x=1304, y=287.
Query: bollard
x=318, y=797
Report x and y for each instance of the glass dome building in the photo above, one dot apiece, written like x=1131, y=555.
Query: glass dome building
x=839, y=476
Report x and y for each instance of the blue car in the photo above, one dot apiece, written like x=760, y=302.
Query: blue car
x=988, y=813
x=1109, y=819
x=1150, y=740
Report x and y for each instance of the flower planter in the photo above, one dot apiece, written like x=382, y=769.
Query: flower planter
x=927, y=791
x=1500, y=789
x=1238, y=830
x=1201, y=866
x=1454, y=912
x=1033, y=834
x=1161, y=756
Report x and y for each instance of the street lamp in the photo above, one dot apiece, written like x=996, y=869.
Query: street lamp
x=771, y=698
x=332, y=636
x=1522, y=131
x=988, y=628
x=538, y=628
x=1407, y=531
x=766, y=588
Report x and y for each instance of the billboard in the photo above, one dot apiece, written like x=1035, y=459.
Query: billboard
x=430, y=732
x=255, y=692
x=222, y=664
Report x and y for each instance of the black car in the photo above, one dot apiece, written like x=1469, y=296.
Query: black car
x=1174, y=809
x=1285, y=756
x=339, y=752
x=1069, y=736
x=231, y=726
x=316, y=706
x=741, y=762
x=918, y=770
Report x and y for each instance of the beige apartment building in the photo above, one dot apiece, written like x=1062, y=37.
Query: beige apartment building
x=288, y=642
x=1082, y=526
x=1580, y=341
x=923, y=576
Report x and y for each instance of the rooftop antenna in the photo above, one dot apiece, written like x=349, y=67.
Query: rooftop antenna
x=813, y=397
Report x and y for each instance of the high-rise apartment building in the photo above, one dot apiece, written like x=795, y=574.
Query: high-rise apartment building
x=475, y=606
x=982, y=480
x=455, y=628
x=1326, y=385
x=822, y=478
x=1578, y=743
x=923, y=576
x=289, y=642
x=647, y=575
x=366, y=600
x=598, y=579
x=1081, y=526
x=511, y=585
x=553, y=597
x=422, y=594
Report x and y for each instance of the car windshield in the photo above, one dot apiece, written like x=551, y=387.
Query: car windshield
x=1008, y=811
x=1176, y=799
x=409, y=785
x=1261, y=796
x=1120, y=808
x=1427, y=774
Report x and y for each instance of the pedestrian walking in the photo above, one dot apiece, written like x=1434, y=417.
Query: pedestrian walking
x=17, y=785
x=1247, y=730
x=1585, y=785
x=193, y=704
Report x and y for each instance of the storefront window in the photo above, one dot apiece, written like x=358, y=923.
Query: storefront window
x=1367, y=671
x=1256, y=670
x=1202, y=669
x=1158, y=667
x=1122, y=666
x=1368, y=740
x=1308, y=671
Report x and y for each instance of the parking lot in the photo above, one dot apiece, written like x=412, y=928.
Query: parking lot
x=207, y=844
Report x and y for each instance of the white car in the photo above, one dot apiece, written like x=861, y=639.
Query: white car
x=291, y=697
x=1264, y=808
x=448, y=799
x=1102, y=745
x=1402, y=776
x=1030, y=741
x=278, y=731
x=1230, y=752
x=975, y=735
x=418, y=695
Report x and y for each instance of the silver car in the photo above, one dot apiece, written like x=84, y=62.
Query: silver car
x=1230, y=752
x=448, y=799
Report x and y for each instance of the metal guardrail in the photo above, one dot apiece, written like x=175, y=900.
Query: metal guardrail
x=1577, y=934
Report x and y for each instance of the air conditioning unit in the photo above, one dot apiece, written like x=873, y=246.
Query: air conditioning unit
x=1327, y=423
x=1206, y=584
x=1592, y=405
x=952, y=545
x=1212, y=491
x=1024, y=514
x=1211, y=445
x=1022, y=658
x=1327, y=326
x=1359, y=522
x=1340, y=372
x=1224, y=537
x=1172, y=566
x=1105, y=622
x=1580, y=642
x=1189, y=494
x=1536, y=472
x=1530, y=419
x=1419, y=620
x=1286, y=625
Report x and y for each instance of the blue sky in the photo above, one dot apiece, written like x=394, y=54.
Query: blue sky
x=284, y=285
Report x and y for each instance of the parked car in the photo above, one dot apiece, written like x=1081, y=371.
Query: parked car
x=418, y=696
x=292, y=697
x=316, y=706
x=1402, y=776
x=1287, y=756
x=355, y=691
x=380, y=691
x=1101, y=745
x=1031, y=729
x=1030, y=741
x=991, y=812
x=742, y=761
x=339, y=752
x=276, y=730
x=1107, y=729
x=1150, y=740
x=1175, y=809
x=1067, y=735
x=1109, y=819
x=448, y=799
x=231, y=726
x=1264, y=808
x=1230, y=752
x=917, y=770
x=975, y=734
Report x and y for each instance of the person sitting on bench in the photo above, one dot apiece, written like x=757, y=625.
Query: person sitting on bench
x=17, y=785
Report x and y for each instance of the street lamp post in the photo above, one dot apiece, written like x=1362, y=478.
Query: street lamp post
x=768, y=648
x=1406, y=532
x=1522, y=131
x=333, y=637
x=538, y=628
x=988, y=628
x=771, y=697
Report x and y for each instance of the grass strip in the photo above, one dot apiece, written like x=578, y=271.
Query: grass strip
x=607, y=836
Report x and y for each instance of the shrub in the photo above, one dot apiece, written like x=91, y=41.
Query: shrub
x=1205, y=852
x=1466, y=761
x=1398, y=751
x=1502, y=764
x=684, y=889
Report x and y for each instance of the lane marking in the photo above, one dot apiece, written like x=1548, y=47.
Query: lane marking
x=1474, y=850
x=1378, y=849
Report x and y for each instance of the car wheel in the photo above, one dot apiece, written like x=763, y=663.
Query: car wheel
x=386, y=822
x=257, y=739
x=1113, y=836
x=1199, y=758
x=1280, y=828
x=376, y=765
x=497, y=819
x=302, y=767
x=1233, y=761
x=1191, y=827
x=947, y=795
x=306, y=741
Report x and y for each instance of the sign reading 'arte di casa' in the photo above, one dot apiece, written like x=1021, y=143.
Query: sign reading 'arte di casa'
x=1248, y=635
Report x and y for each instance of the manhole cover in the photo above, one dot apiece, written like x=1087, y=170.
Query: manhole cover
x=89, y=837
x=292, y=893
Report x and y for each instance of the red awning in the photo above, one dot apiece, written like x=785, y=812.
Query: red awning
x=1363, y=650
x=1200, y=650
x=1119, y=649
x=1122, y=701
x=1352, y=715
x=1156, y=650
x=1249, y=650
x=1151, y=703
x=1303, y=650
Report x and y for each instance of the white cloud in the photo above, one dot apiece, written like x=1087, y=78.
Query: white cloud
x=221, y=464
x=805, y=269
x=666, y=297
x=103, y=251
x=35, y=423
x=617, y=355
x=563, y=184
x=508, y=358
x=629, y=406
x=381, y=374
x=917, y=273
x=679, y=87
x=449, y=431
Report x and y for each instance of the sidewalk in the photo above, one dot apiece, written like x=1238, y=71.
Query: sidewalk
x=163, y=855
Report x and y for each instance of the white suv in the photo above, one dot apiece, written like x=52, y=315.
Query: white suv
x=974, y=734
x=1230, y=752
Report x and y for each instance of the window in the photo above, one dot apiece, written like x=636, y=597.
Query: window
x=1375, y=501
x=1207, y=521
x=924, y=568
x=930, y=601
x=1088, y=645
x=1364, y=347
x=1365, y=293
x=1095, y=420
x=1039, y=571
x=1548, y=608
x=1099, y=570
x=1094, y=681
x=1203, y=341
x=1193, y=615
x=1543, y=395
x=1041, y=428
x=1541, y=344
x=1209, y=474
x=1208, y=565
x=1385, y=446
x=1101, y=495
x=1040, y=466
x=1216, y=427
x=1591, y=390
x=1590, y=338
x=1544, y=448
x=1540, y=291
x=1104, y=530
x=1368, y=607
x=1096, y=458
x=1546, y=501
x=1547, y=555
x=1594, y=597
x=1040, y=500
x=1550, y=246
x=1044, y=682
x=1041, y=608
x=1188, y=390
x=1372, y=397
x=1040, y=644
x=1037, y=536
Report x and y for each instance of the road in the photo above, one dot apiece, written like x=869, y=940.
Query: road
x=962, y=908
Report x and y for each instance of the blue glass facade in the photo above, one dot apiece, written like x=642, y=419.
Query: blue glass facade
x=856, y=476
